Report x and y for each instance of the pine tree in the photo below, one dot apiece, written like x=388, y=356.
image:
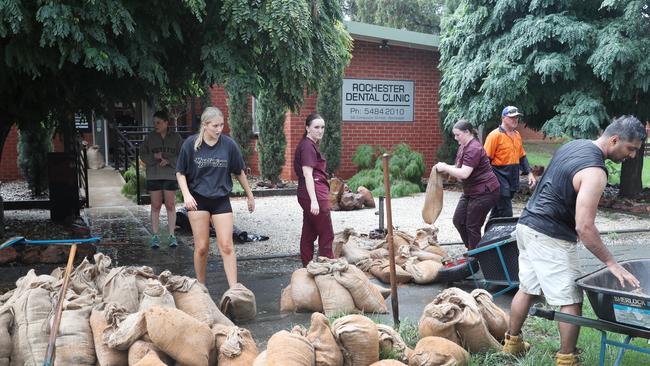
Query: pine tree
x=239, y=120
x=329, y=107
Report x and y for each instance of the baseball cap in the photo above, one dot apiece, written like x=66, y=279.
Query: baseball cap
x=511, y=111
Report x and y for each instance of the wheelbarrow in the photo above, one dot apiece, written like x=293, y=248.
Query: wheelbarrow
x=619, y=310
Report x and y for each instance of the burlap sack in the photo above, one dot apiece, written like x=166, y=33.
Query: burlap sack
x=432, y=198
x=368, y=201
x=391, y=342
x=120, y=287
x=424, y=272
x=95, y=157
x=351, y=201
x=381, y=270
x=6, y=321
x=378, y=253
x=353, y=253
x=180, y=336
x=402, y=238
x=321, y=337
x=289, y=349
x=340, y=239
x=286, y=301
x=495, y=318
x=432, y=351
x=260, y=360
x=359, y=339
x=155, y=294
x=388, y=363
x=235, y=345
x=140, y=349
x=238, y=304
x=106, y=356
x=423, y=255
x=439, y=320
x=123, y=329
x=102, y=269
x=385, y=292
x=304, y=291
x=336, y=298
x=474, y=334
x=29, y=332
x=193, y=298
x=151, y=359
x=336, y=190
x=74, y=341
x=426, y=236
x=366, y=297
x=82, y=277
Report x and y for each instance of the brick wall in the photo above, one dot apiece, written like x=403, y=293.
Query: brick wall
x=371, y=62
x=9, y=165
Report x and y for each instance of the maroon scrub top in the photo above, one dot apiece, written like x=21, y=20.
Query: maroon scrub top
x=308, y=154
x=482, y=178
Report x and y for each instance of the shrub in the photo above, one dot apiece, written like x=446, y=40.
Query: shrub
x=129, y=187
x=406, y=168
x=329, y=107
x=271, y=142
x=363, y=157
x=34, y=143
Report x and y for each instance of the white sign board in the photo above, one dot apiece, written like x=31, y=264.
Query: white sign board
x=377, y=100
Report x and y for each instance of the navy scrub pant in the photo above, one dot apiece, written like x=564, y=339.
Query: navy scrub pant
x=315, y=226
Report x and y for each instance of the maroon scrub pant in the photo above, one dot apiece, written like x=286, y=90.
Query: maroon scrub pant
x=315, y=226
x=470, y=215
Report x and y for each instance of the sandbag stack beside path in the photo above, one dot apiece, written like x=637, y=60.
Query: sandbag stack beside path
x=124, y=316
x=342, y=287
x=456, y=316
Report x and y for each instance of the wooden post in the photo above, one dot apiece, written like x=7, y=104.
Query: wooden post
x=391, y=246
x=51, y=343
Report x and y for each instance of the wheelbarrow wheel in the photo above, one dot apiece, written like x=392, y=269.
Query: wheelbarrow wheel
x=453, y=272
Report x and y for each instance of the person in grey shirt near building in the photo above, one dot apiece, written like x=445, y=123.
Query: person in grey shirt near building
x=562, y=210
x=204, y=170
x=159, y=152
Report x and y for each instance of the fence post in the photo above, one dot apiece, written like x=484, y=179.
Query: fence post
x=137, y=173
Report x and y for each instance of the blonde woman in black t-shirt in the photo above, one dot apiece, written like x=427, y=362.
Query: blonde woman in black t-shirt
x=204, y=169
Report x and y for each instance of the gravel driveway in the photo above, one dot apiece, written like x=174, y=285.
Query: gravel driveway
x=280, y=218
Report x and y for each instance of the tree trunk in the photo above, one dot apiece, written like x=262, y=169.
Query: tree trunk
x=631, y=184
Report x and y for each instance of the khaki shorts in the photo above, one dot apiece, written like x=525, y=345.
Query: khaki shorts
x=548, y=265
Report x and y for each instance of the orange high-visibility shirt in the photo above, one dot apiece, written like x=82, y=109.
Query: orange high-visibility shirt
x=504, y=149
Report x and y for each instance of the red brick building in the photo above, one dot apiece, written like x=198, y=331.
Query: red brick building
x=382, y=58
x=392, y=83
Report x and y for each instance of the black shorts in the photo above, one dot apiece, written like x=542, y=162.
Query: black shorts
x=162, y=185
x=214, y=206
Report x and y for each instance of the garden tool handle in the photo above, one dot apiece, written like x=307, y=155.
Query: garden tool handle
x=391, y=245
x=542, y=313
x=51, y=343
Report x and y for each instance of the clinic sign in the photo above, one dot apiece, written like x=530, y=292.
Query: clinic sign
x=377, y=100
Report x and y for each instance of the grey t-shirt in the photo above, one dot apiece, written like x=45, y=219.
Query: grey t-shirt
x=208, y=169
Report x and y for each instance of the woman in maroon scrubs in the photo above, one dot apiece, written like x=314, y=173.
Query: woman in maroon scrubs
x=480, y=185
x=313, y=192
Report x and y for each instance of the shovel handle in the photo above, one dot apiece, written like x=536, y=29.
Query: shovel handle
x=51, y=343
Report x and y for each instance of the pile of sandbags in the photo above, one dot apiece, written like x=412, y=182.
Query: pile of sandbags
x=342, y=199
x=470, y=320
x=51, y=254
x=332, y=286
x=417, y=258
x=350, y=340
x=124, y=316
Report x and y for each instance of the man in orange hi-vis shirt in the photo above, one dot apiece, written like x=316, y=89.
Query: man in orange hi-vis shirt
x=508, y=158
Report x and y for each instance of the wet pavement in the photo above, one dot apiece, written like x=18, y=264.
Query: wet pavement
x=125, y=240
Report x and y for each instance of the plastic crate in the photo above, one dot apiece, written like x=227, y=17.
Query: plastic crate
x=499, y=230
x=613, y=303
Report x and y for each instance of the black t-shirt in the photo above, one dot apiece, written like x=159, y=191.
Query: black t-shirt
x=208, y=169
x=551, y=209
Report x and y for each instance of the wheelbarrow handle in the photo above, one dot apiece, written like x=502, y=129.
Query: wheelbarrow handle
x=542, y=313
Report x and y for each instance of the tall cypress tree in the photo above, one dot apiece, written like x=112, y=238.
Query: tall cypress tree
x=329, y=107
x=272, y=142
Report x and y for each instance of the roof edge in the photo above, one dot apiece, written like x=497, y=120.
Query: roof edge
x=394, y=36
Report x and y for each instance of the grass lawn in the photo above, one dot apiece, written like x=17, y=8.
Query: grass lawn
x=543, y=335
x=541, y=153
